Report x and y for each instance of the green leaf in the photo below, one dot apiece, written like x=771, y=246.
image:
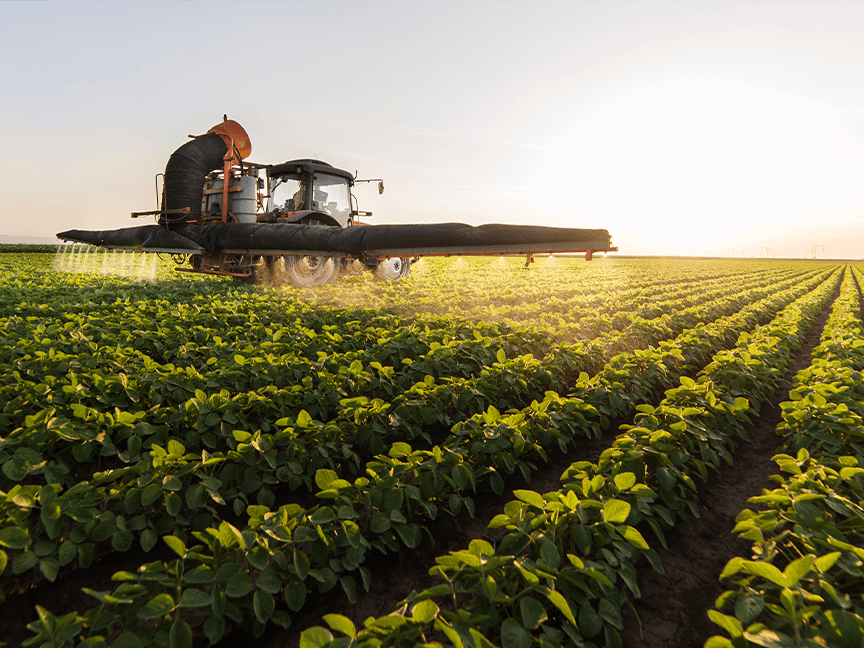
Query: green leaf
x=797, y=569
x=532, y=611
x=86, y=554
x=324, y=477
x=264, y=605
x=24, y=561
x=392, y=500
x=550, y=554
x=590, y=623
x=665, y=478
x=128, y=640
x=193, y=598
x=295, y=595
x=148, y=539
x=4, y=559
x=49, y=568
x=823, y=563
x=452, y=635
x=747, y=608
x=122, y=540
x=93, y=642
x=514, y=635
x=424, y=611
x=341, y=624
x=480, y=640
x=66, y=554
x=14, y=537
x=181, y=634
x=764, y=570
x=214, y=628
x=616, y=511
x=380, y=522
x=322, y=516
x=530, y=497
x=151, y=493
x=315, y=637
x=156, y=607
x=400, y=449
x=349, y=587
x=635, y=538
x=560, y=602
x=176, y=448
x=268, y=580
x=201, y=574
x=411, y=534
x=172, y=483
x=625, y=481
x=303, y=419
x=50, y=517
x=176, y=544
x=258, y=557
x=501, y=356
x=239, y=585
x=301, y=563
x=728, y=623
x=16, y=469
x=195, y=496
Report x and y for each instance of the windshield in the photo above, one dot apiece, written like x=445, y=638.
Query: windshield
x=332, y=196
x=282, y=195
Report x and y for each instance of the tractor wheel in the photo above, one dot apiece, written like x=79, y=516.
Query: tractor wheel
x=307, y=271
x=393, y=269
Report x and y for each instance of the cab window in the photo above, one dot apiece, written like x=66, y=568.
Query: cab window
x=332, y=195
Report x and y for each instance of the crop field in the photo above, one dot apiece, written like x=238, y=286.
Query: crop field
x=622, y=452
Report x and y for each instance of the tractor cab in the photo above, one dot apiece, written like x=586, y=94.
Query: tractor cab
x=309, y=191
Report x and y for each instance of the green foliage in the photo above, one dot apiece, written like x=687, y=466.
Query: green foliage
x=135, y=413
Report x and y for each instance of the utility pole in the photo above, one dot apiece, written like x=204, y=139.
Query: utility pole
x=816, y=246
x=769, y=252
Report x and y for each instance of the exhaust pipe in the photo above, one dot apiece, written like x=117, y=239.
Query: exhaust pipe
x=189, y=165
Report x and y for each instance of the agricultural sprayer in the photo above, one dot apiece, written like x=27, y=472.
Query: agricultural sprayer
x=298, y=222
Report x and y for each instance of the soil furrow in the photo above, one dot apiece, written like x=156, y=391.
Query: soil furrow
x=674, y=605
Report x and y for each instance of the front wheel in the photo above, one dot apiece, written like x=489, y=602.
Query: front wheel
x=393, y=269
x=307, y=271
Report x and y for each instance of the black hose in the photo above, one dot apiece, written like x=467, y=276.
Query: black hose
x=185, y=173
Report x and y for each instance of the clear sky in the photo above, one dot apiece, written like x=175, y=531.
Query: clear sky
x=681, y=127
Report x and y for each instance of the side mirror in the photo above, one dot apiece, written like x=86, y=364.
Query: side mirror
x=381, y=187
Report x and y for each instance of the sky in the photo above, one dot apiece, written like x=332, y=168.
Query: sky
x=684, y=128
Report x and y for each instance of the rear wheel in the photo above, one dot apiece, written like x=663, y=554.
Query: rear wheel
x=393, y=269
x=306, y=271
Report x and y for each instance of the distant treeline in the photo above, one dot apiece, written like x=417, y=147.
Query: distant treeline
x=24, y=247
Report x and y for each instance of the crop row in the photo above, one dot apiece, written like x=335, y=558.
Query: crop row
x=144, y=500
x=569, y=559
x=144, y=595
x=576, y=292
x=60, y=403
x=60, y=396
x=804, y=584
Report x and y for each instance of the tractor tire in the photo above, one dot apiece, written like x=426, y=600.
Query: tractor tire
x=309, y=271
x=393, y=269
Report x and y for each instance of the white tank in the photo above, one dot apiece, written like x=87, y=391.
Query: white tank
x=240, y=203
